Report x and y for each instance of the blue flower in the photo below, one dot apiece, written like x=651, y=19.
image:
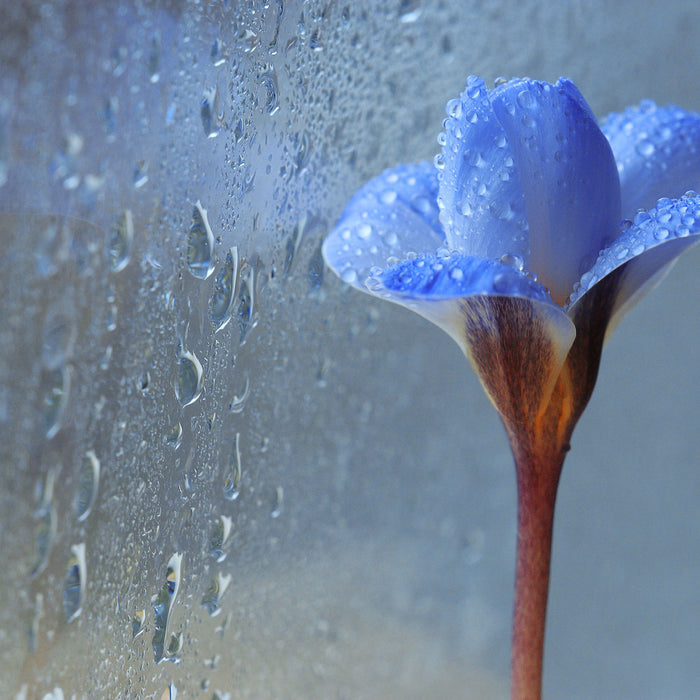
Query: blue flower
x=513, y=241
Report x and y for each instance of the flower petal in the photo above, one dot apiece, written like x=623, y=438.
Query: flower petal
x=515, y=337
x=638, y=260
x=481, y=199
x=392, y=214
x=657, y=150
x=568, y=175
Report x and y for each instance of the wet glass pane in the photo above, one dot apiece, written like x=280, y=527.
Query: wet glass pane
x=225, y=474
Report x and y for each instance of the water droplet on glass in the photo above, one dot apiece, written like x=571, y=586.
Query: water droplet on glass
x=45, y=527
x=271, y=87
x=212, y=598
x=200, y=244
x=189, y=378
x=140, y=177
x=225, y=287
x=137, y=623
x=239, y=400
x=120, y=240
x=232, y=479
x=209, y=113
x=513, y=260
x=55, y=398
x=162, y=603
x=174, y=646
x=218, y=57
x=154, y=61
x=245, y=312
x=88, y=484
x=279, y=503
x=74, y=583
x=219, y=535
x=174, y=436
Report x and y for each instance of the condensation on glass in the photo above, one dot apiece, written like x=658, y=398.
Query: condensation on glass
x=222, y=474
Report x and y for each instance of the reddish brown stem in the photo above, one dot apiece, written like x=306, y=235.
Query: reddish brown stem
x=537, y=487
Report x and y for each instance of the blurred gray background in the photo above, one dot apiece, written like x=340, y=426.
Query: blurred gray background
x=249, y=481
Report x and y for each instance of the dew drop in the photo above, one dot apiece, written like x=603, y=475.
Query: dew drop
x=526, y=99
x=189, y=379
x=225, y=287
x=661, y=234
x=200, y=244
x=457, y=274
x=88, y=484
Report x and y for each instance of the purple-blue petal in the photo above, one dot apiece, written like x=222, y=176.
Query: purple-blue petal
x=657, y=150
x=482, y=201
x=568, y=175
x=453, y=275
x=642, y=253
x=393, y=214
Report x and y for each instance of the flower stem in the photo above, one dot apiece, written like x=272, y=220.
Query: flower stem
x=537, y=488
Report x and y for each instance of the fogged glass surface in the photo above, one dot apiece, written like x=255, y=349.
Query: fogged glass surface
x=225, y=474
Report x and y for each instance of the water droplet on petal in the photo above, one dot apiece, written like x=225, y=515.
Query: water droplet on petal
x=645, y=148
x=513, y=260
x=526, y=99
